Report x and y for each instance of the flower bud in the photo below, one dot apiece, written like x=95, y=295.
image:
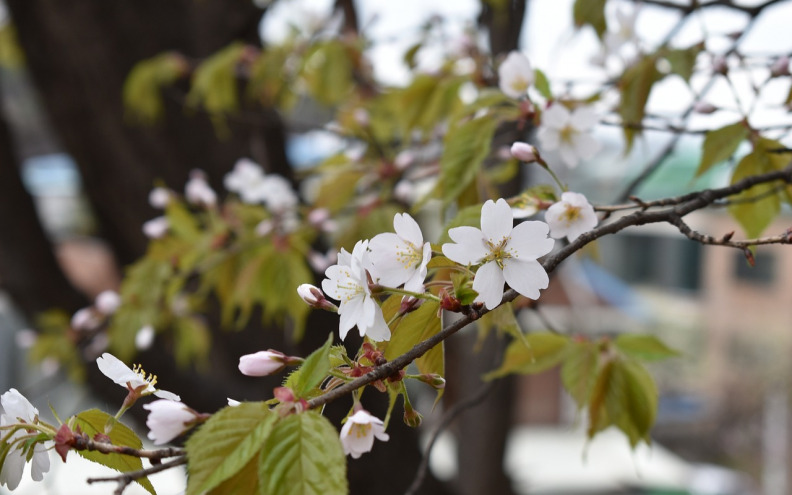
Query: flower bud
x=85, y=319
x=156, y=228
x=159, y=197
x=704, y=107
x=144, y=338
x=198, y=191
x=412, y=418
x=780, y=67
x=434, y=380
x=315, y=298
x=107, y=302
x=262, y=363
x=524, y=152
x=168, y=419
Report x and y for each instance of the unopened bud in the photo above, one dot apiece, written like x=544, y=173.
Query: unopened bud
x=315, y=298
x=749, y=256
x=449, y=303
x=524, y=152
x=704, y=107
x=262, y=363
x=434, y=380
x=159, y=197
x=107, y=302
x=412, y=418
x=780, y=67
x=719, y=65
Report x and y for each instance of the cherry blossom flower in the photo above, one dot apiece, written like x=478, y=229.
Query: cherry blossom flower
x=400, y=258
x=156, y=228
x=131, y=378
x=168, y=419
x=568, y=132
x=515, y=75
x=357, y=434
x=253, y=186
x=107, y=302
x=347, y=282
x=507, y=254
x=262, y=363
x=571, y=216
x=17, y=408
x=198, y=191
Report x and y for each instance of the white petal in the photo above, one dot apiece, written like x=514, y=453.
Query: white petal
x=489, y=284
x=496, y=221
x=13, y=467
x=164, y=394
x=568, y=155
x=529, y=240
x=40, y=463
x=584, y=118
x=470, y=247
x=549, y=138
x=16, y=406
x=557, y=116
x=378, y=331
x=526, y=277
x=585, y=145
x=114, y=369
x=407, y=228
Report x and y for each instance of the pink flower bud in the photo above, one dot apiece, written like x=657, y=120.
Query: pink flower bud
x=156, y=227
x=524, y=152
x=262, y=363
x=780, y=67
x=704, y=108
x=159, y=197
x=310, y=294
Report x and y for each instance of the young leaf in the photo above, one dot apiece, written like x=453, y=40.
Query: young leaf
x=579, y=371
x=303, y=455
x=466, y=147
x=313, y=370
x=720, y=145
x=636, y=84
x=416, y=327
x=591, y=12
x=645, y=347
x=225, y=444
x=683, y=60
x=756, y=207
x=542, y=84
x=535, y=353
x=93, y=421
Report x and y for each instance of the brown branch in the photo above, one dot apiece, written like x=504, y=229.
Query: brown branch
x=127, y=478
x=682, y=205
x=684, y=228
x=84, y=443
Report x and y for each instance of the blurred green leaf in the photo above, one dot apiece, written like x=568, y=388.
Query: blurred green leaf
x=214, y=85
x=579, y=371
x=466, y=147
x=535, y=353
x=592, y=13
x=142, y=92
x=756, y=207
x=644, y=347
x=720, y=144
x=635, y=85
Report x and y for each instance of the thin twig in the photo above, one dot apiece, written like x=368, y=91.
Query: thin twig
x=127, y=478
x=444, y=423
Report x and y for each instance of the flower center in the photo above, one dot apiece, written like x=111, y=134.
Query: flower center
x=571, y=214
x=567, y=133
x=409, y=256
x=352, y=289
x=499, y=251
x=361, y=430
x=519, y=84
x=139, y=371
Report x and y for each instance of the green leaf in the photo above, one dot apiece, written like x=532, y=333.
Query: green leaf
x=756, y=207
x=414, y=328
x=591, y=12
x=328, y=72
x=542, y=84
x=142, y=91
x=313, y=370
x=466, y=147
x=645, y=347
x=720, y=144
x=214, y=85
x=93, y=421
x=624, y=396
x=192, y=341
x=303, y=455
x=636, y=84
x=225, y=444
x=535, y=353
x=683, y=60
x=579, y=371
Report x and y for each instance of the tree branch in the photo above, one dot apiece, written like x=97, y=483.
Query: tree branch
x=127, y=478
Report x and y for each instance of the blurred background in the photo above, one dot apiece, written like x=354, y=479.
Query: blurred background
x=76, y=171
